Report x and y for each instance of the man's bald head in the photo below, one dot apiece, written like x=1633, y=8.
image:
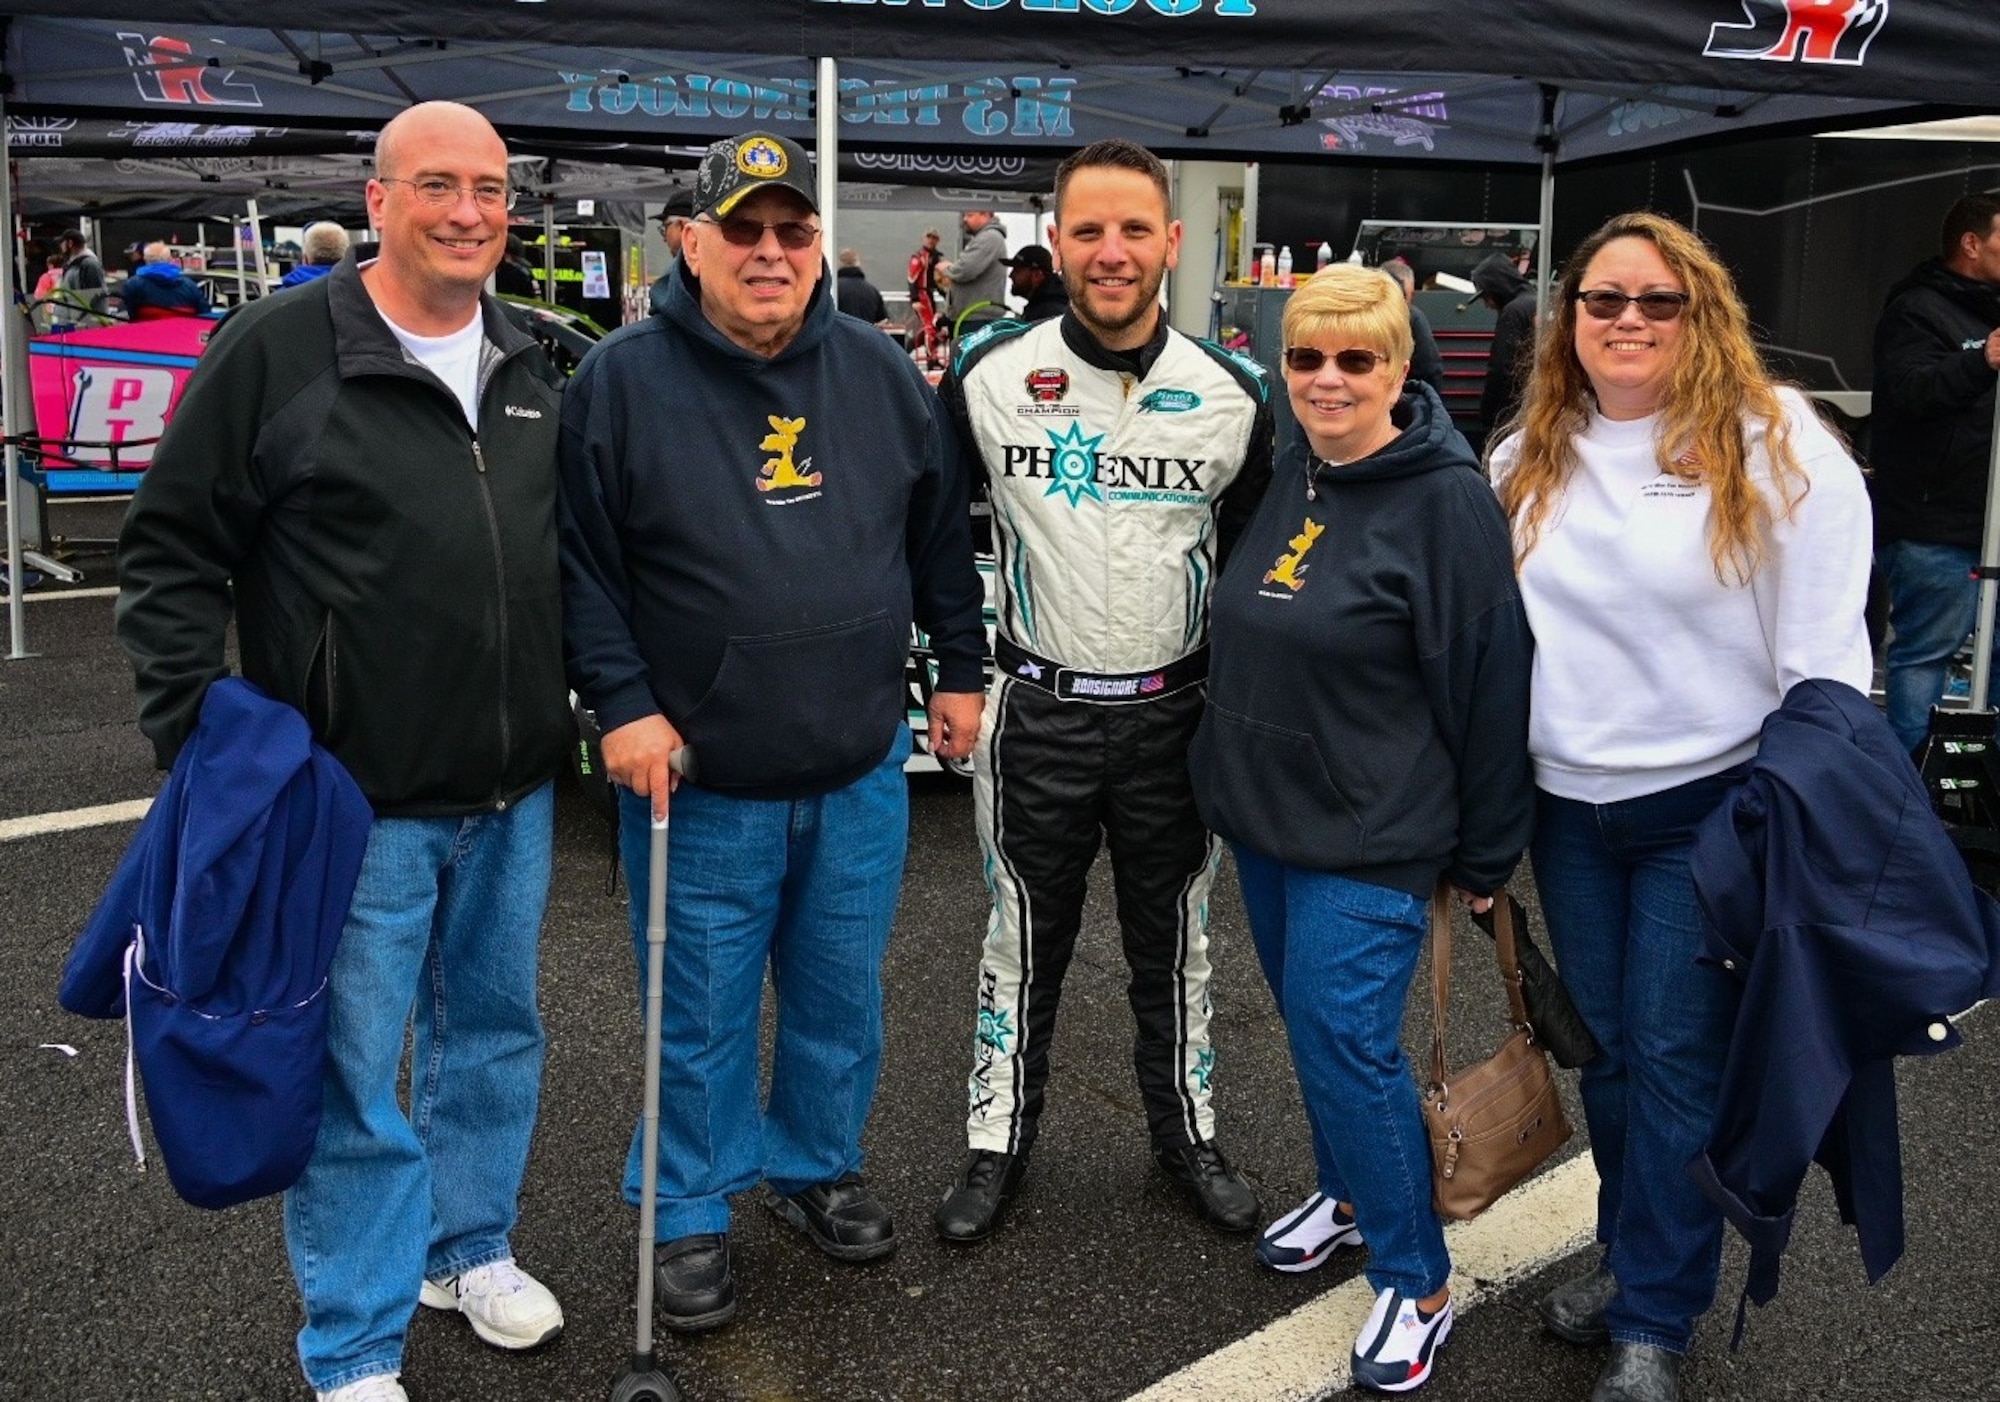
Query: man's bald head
x=414, y=128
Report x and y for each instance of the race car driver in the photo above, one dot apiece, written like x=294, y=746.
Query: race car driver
x=1121, y=458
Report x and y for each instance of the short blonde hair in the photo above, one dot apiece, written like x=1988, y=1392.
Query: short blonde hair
x=1351, y=304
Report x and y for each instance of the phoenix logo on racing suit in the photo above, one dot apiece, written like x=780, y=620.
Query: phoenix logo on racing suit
x=1808, y=31
x=1291, y=566
x=779, y=472
x=1074, y=467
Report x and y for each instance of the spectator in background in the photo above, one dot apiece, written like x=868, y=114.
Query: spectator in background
x=675, y=216
x=158, y=288
x=1034, y=281
x=854, y=294
x=1937, y=348
x=1426, y=364
x=320, y=247
x=977, y=278
x=1499, y=284
x=82, y=286
x=924, y=332
x=515, y=277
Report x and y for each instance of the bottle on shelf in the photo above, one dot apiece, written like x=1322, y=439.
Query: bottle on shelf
x=1285, y=266
x=1325, y=256
x=1267, y=269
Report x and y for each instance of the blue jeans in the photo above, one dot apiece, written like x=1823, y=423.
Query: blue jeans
x=445, y=923
x=1932, y=603
x=807, y=886
x=1619, y=898
x=1339, y=956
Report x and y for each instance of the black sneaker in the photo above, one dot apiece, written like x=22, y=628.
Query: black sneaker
x=843, y=1218
x=1220, y=1195
x=693, y=1285
x=980, y=1196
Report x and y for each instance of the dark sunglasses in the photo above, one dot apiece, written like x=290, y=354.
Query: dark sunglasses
x=1355, y=361
x=748, y=233
x=1606, y=305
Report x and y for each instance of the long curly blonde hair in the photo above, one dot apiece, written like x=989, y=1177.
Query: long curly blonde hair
x=1717, y=379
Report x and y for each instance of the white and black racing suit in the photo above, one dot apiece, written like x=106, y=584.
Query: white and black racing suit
x=1118, y=481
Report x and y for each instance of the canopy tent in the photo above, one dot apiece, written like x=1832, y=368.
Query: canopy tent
x=1526, y=82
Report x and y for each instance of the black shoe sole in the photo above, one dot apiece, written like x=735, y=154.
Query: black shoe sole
x=696, y=1323
x=851, y=1252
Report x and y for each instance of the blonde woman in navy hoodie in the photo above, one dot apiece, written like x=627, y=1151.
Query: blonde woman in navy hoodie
x=1366, y=733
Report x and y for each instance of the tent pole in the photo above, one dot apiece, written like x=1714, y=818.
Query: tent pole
x=257, y=248
x=1547, y=140
x=826, y=142
x=1989, y=587
x=10, y=417
x=549, y=247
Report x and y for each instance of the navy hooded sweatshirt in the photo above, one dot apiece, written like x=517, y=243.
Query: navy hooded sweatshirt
x=745, y=541
x=1368, y=681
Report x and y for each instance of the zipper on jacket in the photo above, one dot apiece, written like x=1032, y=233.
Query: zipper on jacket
x=500, y=579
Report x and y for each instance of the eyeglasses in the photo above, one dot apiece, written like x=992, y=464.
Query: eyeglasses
x=1306, y=360
x=1606, y=305
x=793, y=234
x=443, y=193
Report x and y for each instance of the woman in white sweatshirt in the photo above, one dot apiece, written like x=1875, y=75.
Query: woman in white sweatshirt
x=1691, y=542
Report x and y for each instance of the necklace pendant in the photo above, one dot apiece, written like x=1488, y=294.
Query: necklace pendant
x=1311, y=495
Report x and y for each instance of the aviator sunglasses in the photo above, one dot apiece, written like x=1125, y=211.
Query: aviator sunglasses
x=1606, y=305
x=1306, y=360
x=748, y=233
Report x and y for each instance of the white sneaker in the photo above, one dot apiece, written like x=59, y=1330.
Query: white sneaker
x=506, y=1306
x=376, y=1387
x=1303, y=1238
x=1394, y=1351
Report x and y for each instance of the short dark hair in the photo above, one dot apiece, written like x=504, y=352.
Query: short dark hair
x=74, y=236
x=1973, y=215
x=1115, y=154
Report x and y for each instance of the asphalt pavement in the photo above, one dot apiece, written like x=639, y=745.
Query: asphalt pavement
x=1101, y=1284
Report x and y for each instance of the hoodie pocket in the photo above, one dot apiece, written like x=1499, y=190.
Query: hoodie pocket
x=793, y=709
x=1268, y=787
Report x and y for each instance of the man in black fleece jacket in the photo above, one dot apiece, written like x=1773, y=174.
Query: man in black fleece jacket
x=1937, y=348
x=758, y=498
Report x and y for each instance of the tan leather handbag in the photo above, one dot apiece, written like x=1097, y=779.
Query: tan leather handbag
x=1490, y=1125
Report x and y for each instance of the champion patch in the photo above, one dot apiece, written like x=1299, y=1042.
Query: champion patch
x=1047, y=386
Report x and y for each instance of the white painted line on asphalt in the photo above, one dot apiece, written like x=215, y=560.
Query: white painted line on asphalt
x=42, y=824
x=49, y=596
x=1306, y=1354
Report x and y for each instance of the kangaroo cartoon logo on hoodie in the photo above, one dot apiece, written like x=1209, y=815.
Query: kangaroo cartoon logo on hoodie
x=1290, y=566
x=780, y=472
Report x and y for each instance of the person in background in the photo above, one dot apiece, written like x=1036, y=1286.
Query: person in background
x=515, y=277
x=854, y=294
x=1498, y=282
x=675, y=216
x=81, y=289
x=363, y=472
x=1102, y=645
x=925, y=333
x=741, y=581
x=1426, y=363
x=321, y=245
x=158, y=288
x=1035, y=282
x=1937, y=355
x=977, y=279
x=1365, y=735
x=1691, y=542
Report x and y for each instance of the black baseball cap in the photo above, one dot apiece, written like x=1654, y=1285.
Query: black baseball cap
x=680, y=205
x=738, y=166
x=1033, y=256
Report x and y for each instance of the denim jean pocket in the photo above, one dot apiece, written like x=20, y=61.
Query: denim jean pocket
x=1384, y=905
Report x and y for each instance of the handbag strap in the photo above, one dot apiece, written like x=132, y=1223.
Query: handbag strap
x=1510, y=967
